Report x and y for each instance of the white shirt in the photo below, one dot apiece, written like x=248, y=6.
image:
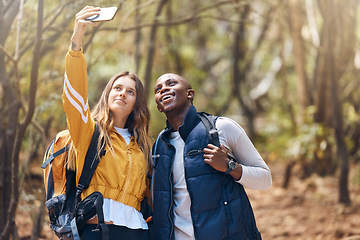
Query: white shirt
x=182, y=202
x=256, y=174
x=121, y=214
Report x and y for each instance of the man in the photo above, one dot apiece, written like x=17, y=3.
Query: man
x=197, y=190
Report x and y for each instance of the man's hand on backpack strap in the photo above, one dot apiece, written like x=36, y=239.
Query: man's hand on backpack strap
x=218, y=159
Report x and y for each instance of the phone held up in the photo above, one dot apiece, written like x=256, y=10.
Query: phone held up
x=105, y=14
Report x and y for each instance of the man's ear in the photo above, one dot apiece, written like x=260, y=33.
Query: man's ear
x=159, y=109
x=190, y=94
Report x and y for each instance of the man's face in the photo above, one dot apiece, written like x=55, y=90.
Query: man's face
x=172, y=93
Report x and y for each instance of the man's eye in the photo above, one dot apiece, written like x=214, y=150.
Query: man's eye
x=157, y=90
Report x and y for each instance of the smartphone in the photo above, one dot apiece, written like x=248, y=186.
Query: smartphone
x=105, y=14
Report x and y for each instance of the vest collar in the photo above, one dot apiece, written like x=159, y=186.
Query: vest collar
x=191, y=120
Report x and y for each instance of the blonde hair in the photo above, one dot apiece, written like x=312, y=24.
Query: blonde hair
x=137, y=122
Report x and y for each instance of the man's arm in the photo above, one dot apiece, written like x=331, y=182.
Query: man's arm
x=251, y=170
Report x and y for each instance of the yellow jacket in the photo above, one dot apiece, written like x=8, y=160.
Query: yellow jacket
x=122, y=176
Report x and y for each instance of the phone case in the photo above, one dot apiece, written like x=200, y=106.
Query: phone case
x=106, y=14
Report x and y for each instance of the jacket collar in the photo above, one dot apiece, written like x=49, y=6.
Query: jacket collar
x=190, y=121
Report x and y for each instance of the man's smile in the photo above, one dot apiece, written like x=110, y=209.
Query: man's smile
x=166, y=98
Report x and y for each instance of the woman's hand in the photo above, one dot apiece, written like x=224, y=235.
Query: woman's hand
x=81, y=25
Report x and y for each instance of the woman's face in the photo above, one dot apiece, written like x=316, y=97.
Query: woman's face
x=122, y=97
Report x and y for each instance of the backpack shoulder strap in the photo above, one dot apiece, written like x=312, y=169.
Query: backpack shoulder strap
x=53, y=155
x=61, y=139
x=209, y=122
x=50, y=156
x=91, y=161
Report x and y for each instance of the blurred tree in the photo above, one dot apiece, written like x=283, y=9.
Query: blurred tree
x=296, y=16
x=151, y=46
x=21, y=52
x=283, y=69
x=334, y=48
x=12, y=125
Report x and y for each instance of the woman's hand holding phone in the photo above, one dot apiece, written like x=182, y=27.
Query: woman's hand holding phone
x=105, y=14
x=89, y=15
x=81, y=25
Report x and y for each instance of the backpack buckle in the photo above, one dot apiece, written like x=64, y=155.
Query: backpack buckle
x=79, y=188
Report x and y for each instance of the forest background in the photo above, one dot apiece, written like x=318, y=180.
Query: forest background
x=287, y=71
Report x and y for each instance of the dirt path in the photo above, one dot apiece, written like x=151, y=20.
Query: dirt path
x=307, y=210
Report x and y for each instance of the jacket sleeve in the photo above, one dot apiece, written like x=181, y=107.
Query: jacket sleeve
x=256, y=174
x=75, y=101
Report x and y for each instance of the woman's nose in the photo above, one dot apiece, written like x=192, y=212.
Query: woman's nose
x=123, y=93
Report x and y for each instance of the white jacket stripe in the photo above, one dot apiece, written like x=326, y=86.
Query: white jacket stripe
x=76, y=94
x=82, y=110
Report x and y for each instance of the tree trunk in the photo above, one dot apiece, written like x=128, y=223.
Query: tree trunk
x=151, y=50
x=174, y=53
x=340, y=32
x=322, y=73
x=239, y=75
x=296, y=16
x=17, y=131
x=9, y=112
x=137, y=37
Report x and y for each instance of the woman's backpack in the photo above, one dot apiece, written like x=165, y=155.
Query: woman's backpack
x=67, y=213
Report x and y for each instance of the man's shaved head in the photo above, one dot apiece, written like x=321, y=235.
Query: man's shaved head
x=176, y=76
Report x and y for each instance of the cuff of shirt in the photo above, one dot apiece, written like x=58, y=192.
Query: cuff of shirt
x=75, y=53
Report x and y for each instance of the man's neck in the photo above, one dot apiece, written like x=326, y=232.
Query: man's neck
x=175, y=118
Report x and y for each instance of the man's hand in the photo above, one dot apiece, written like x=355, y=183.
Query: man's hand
x=218, y=159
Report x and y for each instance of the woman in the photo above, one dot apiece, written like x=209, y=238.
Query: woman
x=123, y=118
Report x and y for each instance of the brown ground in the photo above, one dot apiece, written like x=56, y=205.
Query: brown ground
x=307, y=210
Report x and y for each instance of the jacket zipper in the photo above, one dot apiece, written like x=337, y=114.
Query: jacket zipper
x=171, y=195
x=127, y=179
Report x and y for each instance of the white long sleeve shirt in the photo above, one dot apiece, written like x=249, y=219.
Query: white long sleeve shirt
x=255, y=175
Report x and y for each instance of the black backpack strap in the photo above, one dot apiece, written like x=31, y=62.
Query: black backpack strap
x=101, y=223
x=209, y=122
x=50, y=185
x=54, y=155
x=91, y=161
x=50, y=182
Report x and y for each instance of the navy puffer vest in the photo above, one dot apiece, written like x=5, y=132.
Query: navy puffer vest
x=220, y=208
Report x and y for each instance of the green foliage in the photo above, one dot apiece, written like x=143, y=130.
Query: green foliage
x=199, y=42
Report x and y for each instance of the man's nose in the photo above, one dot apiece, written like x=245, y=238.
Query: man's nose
x=164, y=88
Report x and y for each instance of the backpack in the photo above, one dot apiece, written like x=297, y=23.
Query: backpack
x=67, y=213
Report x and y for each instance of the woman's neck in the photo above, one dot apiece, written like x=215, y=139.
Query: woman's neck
x=119, y=121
